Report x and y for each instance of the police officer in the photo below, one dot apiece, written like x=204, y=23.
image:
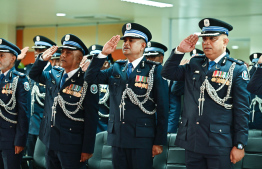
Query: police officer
x=103, y=89
x=68, y=127
x=255, y=120
x=38, y=92
x=55, y=59
x=137, y=91
x=155, y=52
x=214, y=124
x=14, y=108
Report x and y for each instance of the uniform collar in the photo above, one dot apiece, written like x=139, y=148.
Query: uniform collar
x=136, y=62
x=5, y=72
x=219, y=57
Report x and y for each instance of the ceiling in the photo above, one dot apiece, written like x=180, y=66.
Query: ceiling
x=244, y=15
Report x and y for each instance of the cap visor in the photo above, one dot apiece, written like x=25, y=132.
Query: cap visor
x=57, y=57
x=149, y=54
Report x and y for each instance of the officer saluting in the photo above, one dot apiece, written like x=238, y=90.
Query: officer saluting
x=155, y=51
x=14, y=107
x=103, y=89
x=254, y=87
x=68, y=127
x=137, y=91
x=214, y=124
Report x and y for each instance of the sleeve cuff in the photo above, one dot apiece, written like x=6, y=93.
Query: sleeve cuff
x=177, y=52
x=101, y=56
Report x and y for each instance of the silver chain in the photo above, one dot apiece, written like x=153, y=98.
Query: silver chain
x=12, y=100
x=103, y=101
x=36, y=94
x=213, y=93
x=134, y=98
x=253, y=104
x=59, y=99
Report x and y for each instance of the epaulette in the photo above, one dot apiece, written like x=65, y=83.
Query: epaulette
x=18, y=73
x=121, y=61
x=153, y=62
x=235, y=60
x=58, y=68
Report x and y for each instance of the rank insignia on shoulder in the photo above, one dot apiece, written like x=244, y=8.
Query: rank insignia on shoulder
x=26, y=86
x=245, y=75
x=93, y=88
x=141, y=81
x=74, y=90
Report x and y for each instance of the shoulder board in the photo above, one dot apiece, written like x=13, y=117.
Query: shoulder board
x=235, y=60
x=153, y=62
x=121, y=61
x=57, y=68
x=18, y=73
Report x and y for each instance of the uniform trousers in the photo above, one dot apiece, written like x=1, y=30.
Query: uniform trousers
x=63, y=160
x=207, y=161
x=10, y=160
x=132, y=158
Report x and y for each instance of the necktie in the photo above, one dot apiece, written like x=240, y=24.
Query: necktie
x=211, y=64
x=63, y=79
x=129, y=69
x=2, y=77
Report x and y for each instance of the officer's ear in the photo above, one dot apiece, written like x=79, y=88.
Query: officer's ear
x=225, y=40
x=143, y=44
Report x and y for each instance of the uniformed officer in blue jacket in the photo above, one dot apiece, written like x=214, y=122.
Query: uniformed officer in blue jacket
x=69, y=123
x=254, y=86
x=38, y=92
x=14, y=107
x=214, y=124
x=155, y=51
x=103, y=89
x=137, y=91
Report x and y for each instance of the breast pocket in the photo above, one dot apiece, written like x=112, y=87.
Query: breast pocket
x=220, y=135
x=114, y=86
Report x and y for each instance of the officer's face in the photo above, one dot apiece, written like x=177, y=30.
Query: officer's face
x=55, y=62
x=70, y=59
x=38, y=51
x=158, y=58
x=214, y=46
x=6, y=61
x=133, y=46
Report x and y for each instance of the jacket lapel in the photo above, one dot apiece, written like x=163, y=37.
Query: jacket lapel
x=137, y=70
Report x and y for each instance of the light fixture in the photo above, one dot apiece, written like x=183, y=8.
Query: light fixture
x=150, y=3
x=235, y=47
x=60, y=14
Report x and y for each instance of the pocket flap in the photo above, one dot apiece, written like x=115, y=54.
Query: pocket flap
x=183, y=122
x=8, y=125
x=219, y=128
x=145, y=122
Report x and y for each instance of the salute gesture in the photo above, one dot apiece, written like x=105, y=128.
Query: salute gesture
x=188, y=44
x=46, y=56
x=110, y=46
x=23, y=53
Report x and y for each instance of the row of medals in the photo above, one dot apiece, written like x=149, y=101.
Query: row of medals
x=69, y=90
x=7, y=89
x=140, y=82
x=218, y=77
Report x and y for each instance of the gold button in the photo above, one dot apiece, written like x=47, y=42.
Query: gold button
x=123, y=122
x=220, y=130
x=51, y=125
x=197, y=122
x=70, y=129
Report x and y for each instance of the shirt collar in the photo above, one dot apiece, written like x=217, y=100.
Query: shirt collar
x=5, y=72
x=71, y=73
x=219, y=57
x=136, y=62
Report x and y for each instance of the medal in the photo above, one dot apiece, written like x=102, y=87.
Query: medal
x=214, y=76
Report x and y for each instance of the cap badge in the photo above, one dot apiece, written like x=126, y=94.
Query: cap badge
x=255, y=56
x=94, y=47
x=206, y=22
x=67, y=37
x=37, y=38
x=149, y=44
x=0, y=41
x=128, y=26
